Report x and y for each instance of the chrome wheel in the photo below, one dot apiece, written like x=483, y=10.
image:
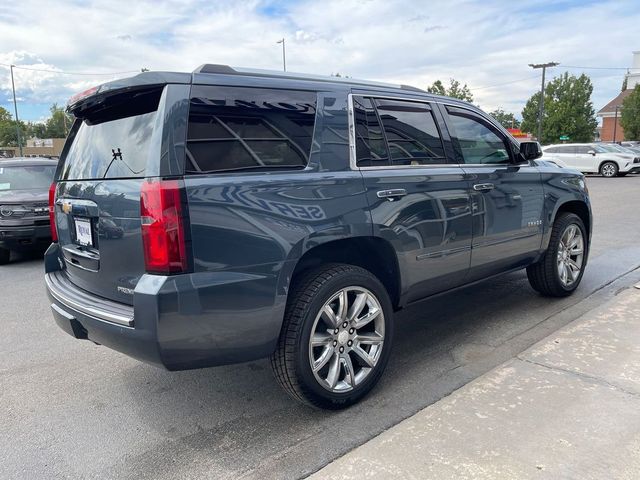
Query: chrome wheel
x=570, y=255
x=347, y=338
x=608, y=170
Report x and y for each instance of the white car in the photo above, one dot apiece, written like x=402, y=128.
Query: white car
x=593, y=158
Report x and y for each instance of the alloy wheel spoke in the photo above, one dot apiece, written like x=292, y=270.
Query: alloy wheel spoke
x=364, y=356
x=320, y=339
x=329, y=315
x=371, y=315
x=574, y=242
x=326, y=355
x=350, y=376
x=357, y=306
x=343, y=305
x=563, y=273
x=334, y=372
x=573, y=267
x=369, y=338
x=571, y=233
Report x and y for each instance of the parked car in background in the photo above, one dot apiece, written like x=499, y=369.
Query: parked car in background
x=260, y=214
x=24, y=204
x=628, y=147
x=608, y=160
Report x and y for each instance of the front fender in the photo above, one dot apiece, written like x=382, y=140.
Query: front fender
x=563, y=190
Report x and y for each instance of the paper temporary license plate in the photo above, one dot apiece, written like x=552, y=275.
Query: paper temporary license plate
x=83, y=231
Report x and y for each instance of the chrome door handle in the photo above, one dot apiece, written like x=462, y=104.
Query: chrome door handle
x=484, y=187
x=392, y=194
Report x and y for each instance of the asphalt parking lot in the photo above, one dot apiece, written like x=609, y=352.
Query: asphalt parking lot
x=72, y=409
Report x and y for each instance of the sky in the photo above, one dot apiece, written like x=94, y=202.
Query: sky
x=485, y=44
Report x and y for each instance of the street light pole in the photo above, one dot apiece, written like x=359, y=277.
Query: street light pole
x=15, y=108
x=284, y=58
x=543, y=66
x=615, y=123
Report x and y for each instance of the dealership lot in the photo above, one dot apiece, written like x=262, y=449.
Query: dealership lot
x=74, y=409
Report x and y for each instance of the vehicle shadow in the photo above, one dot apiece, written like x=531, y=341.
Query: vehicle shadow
x=234, y=421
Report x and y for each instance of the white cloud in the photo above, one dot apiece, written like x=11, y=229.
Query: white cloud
x=479, y=43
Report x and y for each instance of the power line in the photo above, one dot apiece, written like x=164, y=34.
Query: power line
x=67, y=73
x=598, y=68
x=505, y=83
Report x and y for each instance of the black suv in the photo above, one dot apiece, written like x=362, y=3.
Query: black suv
x=24, y=206
x=227, y=215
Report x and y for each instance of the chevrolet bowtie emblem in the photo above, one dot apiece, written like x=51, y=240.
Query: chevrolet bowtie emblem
x=66, y=207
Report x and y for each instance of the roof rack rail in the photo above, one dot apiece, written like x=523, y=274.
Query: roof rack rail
x=227, y=70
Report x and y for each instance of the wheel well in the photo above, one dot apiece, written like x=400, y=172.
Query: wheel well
x=579, y=208
x=608, y=161
x=373, y=254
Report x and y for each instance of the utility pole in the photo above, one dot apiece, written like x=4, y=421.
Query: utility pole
x=615, y=123
x=544, y=67
x=15, y=107
x=284, y=59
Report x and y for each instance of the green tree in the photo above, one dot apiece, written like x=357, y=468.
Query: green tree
x=437, y=88
x=507, y=120
x=630, y=116
x=37, y=130
x=58, y=125
x=8, y=134
x=455, y=90
x=568, y=110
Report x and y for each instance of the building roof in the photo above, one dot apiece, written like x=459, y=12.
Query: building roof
x=27, y=161
x=616, y=102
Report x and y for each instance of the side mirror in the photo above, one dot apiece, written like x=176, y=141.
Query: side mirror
x=592, y=152
x=530, y=150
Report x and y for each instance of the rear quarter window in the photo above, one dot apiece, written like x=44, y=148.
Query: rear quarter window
x=240, y=128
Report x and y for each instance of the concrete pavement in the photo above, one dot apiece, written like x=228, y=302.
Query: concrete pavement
x=568, y=407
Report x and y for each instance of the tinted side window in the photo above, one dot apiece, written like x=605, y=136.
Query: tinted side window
x=583, y=149
x=249, y=128
x=411, y=132
x=371, y=149
x=480, y=142
x=567, y=149
x=552, y=150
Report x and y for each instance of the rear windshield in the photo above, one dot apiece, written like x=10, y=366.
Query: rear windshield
x=112, y=142
x=33, y=177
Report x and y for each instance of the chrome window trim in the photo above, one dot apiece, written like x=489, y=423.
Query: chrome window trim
x=353, y=165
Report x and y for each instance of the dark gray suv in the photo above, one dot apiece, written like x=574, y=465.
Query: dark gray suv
x=24, y=206
x=227, y=215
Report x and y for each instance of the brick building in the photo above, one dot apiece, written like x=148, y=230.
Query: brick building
x=35, y=147
x=611, y=130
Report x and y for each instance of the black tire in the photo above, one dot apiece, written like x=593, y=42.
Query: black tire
x=5, y=255
x=291, y=360
x=609, y=169
x=543, y=275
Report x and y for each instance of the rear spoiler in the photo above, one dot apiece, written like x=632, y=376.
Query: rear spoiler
x=96, y=95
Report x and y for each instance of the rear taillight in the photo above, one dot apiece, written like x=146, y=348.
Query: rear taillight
x=52, y=212
x=163, y=234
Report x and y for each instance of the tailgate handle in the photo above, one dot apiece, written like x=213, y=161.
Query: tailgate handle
x=78, y=207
